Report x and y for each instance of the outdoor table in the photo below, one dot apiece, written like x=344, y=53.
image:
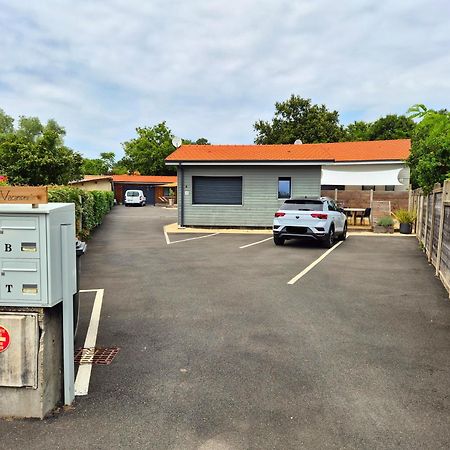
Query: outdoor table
x=352, y=213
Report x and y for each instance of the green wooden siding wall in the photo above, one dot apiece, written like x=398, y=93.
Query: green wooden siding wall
x=259, y=194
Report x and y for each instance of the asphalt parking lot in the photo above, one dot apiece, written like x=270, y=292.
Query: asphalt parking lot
x=218, y=351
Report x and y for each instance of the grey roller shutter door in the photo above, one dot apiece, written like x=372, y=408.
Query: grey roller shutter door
x=217, y=190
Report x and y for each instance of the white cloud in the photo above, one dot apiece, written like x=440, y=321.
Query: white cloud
x=213, y=68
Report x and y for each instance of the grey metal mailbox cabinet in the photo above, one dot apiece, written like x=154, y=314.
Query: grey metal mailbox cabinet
x=33, y=243
x=37, y=284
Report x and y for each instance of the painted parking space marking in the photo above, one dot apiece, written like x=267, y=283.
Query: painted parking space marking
x=314, y=264
x=193, y=239
x=256, y=243
x=169, y=242
x=166, y=236
x=84, y=370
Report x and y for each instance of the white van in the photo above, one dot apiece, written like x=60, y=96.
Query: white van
x=134, y=197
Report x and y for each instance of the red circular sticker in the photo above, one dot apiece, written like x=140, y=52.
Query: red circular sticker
x=4, y=339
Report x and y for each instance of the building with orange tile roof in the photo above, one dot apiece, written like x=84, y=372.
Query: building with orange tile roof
x=242, y=185
x=156, y=188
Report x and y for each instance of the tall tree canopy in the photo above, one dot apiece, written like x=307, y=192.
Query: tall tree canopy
x=392, y=126
x=146, y=153
x=297, y=118
x=35, y=154
x=199, y=141
x=430, y=147
x=6, y=123
x=99, y=166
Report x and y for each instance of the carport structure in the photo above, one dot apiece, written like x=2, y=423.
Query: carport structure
x=153, y=186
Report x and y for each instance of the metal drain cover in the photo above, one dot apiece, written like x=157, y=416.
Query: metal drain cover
x=93, y=355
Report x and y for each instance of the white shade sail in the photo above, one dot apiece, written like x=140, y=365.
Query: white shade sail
x=362, y=175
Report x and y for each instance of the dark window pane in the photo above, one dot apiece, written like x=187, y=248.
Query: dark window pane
x=389, y=188
x=284, y=187
x=303, y=205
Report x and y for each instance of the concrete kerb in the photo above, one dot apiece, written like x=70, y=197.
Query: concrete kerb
x=174, y=228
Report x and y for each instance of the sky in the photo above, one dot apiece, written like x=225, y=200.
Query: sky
x=213, y=68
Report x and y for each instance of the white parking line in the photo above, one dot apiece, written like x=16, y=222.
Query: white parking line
x=84, y=370
x=256, y=243
x=166, y=236
x=312, y=265
x=169, y=242
x=192, y=239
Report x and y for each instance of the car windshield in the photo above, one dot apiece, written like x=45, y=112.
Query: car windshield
x=303, y=205
x=132, y=194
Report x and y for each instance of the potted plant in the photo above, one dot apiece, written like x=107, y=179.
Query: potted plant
x=171, y=197
x=384, y=224
x=406, y=219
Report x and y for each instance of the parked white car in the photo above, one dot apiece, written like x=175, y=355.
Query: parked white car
x=134, y=197
x=311, y=218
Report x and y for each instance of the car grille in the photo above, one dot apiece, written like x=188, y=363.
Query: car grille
x=296, y=230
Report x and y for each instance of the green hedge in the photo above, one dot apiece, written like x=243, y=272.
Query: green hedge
x=90, y=206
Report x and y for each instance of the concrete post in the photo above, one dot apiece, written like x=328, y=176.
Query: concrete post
x=30, y=369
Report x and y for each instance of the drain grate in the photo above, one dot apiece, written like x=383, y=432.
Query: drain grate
x=93, y=355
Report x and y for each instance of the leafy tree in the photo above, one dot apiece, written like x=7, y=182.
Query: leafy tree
x=109, y=160
x=298, y=118
x=38, y=163
x=199, y=141
x=391, y=126
x=93, y=167
x=357, y=131
x=30, y=128
x=119, y=169
x=6, y=123
x=99, y=166
x=429, y=159
x=35, y=154
x=146, y=153
x=202, y=141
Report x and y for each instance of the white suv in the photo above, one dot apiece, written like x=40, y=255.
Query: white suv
x=134, y=197
x=314, y=218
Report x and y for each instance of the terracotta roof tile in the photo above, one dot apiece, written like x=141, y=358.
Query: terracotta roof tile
x=143, y=179
x=340, y=151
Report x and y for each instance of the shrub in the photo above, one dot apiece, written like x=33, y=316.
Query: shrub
x=405, y=216
x=385, y=221
x=90, y=206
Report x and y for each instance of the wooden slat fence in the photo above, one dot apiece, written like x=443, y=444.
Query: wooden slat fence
x=433, y=227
